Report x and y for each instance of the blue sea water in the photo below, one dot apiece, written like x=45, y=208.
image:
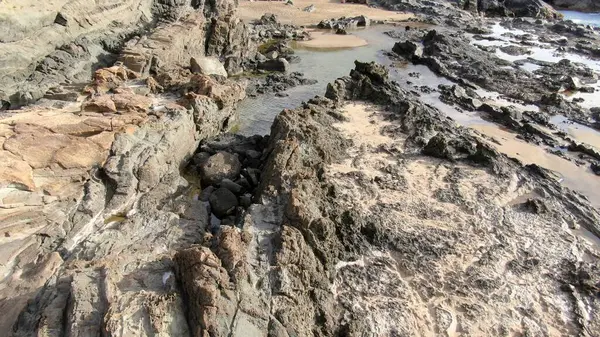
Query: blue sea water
x=583, y=18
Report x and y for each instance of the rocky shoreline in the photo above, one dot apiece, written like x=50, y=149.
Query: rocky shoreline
x=129, y=208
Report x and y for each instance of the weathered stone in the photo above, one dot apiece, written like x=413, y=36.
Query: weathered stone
x=207, y=66
x=222, y=165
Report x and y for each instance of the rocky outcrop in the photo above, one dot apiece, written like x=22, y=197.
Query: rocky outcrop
x=69, y=40
x=451, y=56
x=451, y=9
x=348, y=265
x=345, y=23
x=82, y=186
x=518, y=8
x=576, y=5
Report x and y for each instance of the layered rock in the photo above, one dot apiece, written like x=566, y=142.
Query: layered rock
x=84, y=182
x=67, y=41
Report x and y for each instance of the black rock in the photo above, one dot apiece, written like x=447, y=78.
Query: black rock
x=244, y=183
x=205, y=194
x=280, y=64
x=252, y=175
x=246, y=200
x=200, y=158
x=595, y=168
x=223, y=202
x=233, y=187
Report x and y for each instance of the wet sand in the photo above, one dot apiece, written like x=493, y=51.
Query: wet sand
x=327, y=40
x=577, y=178
x=325, y=9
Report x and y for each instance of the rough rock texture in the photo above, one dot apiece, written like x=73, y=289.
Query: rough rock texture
x=222, y=165
x=377, y=238
x=576, y=5
x=450, y=55
x=441, y=9
x=66, y=41
x=345, y=23
x=105, y=187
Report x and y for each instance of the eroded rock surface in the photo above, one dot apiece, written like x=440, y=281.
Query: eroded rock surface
x=437, y=245
x=66, y=41
x=101, y=175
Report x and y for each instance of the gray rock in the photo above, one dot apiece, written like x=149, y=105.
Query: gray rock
x=207, y=66
x=253, y=154
x=310, y=8
x=281, y=65
x=573, y=83
x=252, y=175
x=272, y=55
x=222, y=165
x=223, y=202
x=345, y=23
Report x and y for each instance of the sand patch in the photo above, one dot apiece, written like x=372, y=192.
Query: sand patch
x=577, y=178
x=587, y=136
x=325, y=9
x=327, y=40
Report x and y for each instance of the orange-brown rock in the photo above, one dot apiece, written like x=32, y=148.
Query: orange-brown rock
x=107, y=79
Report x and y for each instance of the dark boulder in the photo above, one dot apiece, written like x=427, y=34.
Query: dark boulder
x=223, y=202
x=281, y=65
x=408, y=49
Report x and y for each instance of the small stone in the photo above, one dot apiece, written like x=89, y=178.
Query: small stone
x=573, y=83
x=228, y=221
x=595, y=168
x=280, y=64
x=207, y=66
x=220, y=166
x=253, y=176
x=246, y=200
x=223, y=202
x=233, y=187
x=205, y=194
x=310, y=8
x=588, y=90
x=253, y=154
x=200, y=158
x=408, y=49
x=244, y=183
x=272, y=55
